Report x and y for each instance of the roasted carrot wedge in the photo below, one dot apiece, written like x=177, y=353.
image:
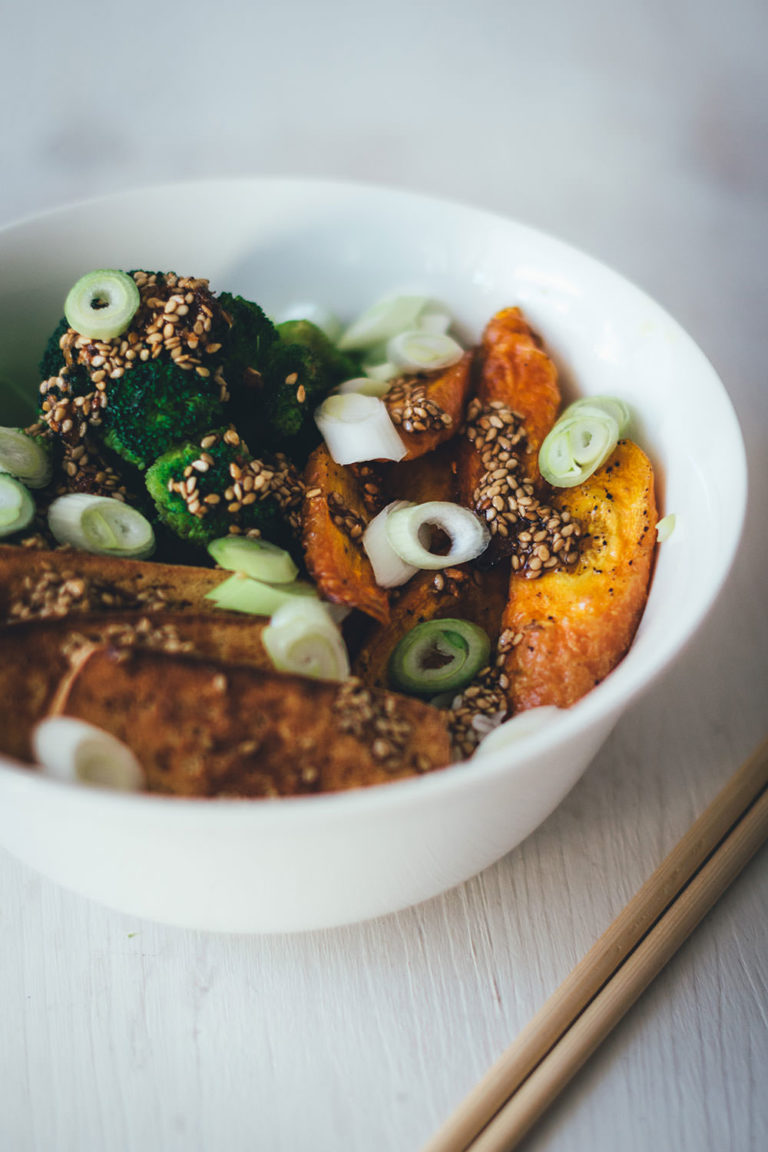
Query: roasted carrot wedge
x=428, y=477
x=565, y=631
x=428, y=410
x=515, y=374
x=334, y=522
x=455, y=592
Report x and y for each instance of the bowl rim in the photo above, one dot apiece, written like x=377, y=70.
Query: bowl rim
x=604, y=703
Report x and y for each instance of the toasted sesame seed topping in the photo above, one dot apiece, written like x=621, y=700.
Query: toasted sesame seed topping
x=477, y=710
x=371, y=718
x=344, y=518
x=409, y=407
x=174, y=315
x=534, y=534
x=61, y=592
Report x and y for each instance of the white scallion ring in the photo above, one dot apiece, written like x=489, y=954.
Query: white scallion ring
x=408, y=531
x=303, y=639
x=419, y=351
x=102, y=525
x=577, y=446
x=383, y=319
x=665, y=527
x=357, y=428
x=611, y=405
x=518, y=727
x=80, y=753
x=389, y=569
x=365, y=386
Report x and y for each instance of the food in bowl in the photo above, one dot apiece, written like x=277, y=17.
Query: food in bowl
x=385, y=470
x=317, y=860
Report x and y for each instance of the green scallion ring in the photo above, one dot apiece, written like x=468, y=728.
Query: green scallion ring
x=25, y=457
x=102, y=304
x=256, y=558
x=439, y=656
x=577, y=446
x=612, y=405
x=17, y=508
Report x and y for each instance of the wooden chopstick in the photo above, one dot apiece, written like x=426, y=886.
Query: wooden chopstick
x=607, y=981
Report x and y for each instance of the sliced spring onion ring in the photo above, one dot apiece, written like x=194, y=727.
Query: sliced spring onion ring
x=389, y=569
x=24, y=457
x=439, y=656
x=365, y=385
x=80, y=753
x=302, y=638
x=316, y=314
x=434, y=320
x=611, y=405
x=577, y=446
x=418, y=351
x=381, y=321
x=256, y=558
x=666, y=527
x=102, y=304
x=522, y=725
x=17, y=508
x=383, y=371
x=102, y=525
x=357, y=427
x=408, y=533
x=240, y=593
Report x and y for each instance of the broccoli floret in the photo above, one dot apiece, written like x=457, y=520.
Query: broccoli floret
x=300, y=370
x=53, y=363
x=295, y=382
x=337, y=364
x=52, y=360
x=153, y=406
x=246, y=338
x=202, y=489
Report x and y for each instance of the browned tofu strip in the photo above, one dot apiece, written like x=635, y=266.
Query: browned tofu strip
x=218, y=729
x=571, y=627
x=180, y=587
x=33, y=655
x=514, y=370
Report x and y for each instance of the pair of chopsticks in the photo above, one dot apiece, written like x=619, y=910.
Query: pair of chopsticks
x=549, y=1051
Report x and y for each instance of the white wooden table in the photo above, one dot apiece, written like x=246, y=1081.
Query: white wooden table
x=641, y=138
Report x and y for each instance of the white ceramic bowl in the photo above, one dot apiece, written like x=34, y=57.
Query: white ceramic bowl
x=293, y=864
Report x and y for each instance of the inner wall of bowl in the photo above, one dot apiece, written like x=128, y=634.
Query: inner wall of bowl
x=280, y=242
